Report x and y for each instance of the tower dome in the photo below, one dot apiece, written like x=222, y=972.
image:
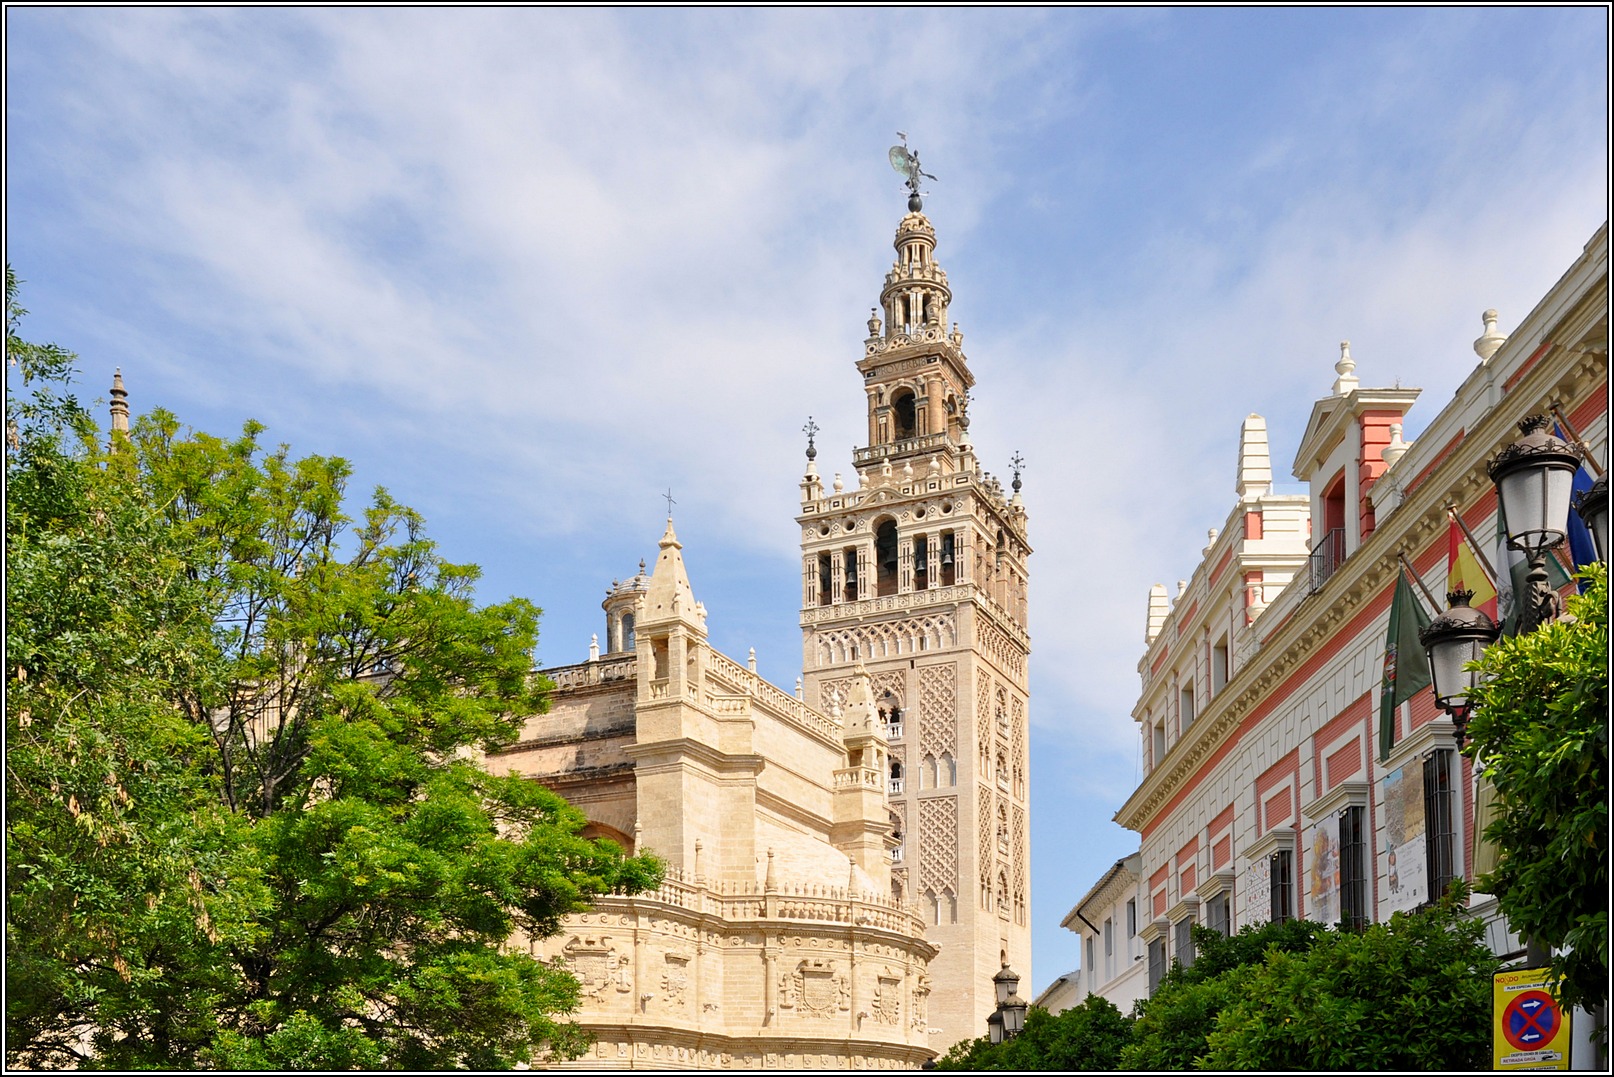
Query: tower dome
x=621, y=611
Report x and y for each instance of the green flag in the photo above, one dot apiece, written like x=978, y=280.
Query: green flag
x=1406, y=667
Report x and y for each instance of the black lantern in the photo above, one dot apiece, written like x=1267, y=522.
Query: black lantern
x=1452, y=640
x=1534, y=479
x=1592, y=505
x=1010, y=1016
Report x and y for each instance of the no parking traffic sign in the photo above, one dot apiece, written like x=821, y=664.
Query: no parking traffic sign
x=1530, y=1031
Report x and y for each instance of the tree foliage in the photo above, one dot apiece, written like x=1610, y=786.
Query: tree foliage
x=1088, y=1036
x=1174, y=1023
x=246, y=826
x=1540, y=726
x=1410, y=994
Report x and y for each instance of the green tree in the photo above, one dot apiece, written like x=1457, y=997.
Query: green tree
x=1410, y=994
x=1088, y=1036
x=1172, y=1025
x=112, y=834
x=1540, y=726
x=246, y=825
x=1413, y=994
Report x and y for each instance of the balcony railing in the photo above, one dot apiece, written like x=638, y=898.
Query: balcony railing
x=895, y=786
x=1326, y=557
x=893, y=731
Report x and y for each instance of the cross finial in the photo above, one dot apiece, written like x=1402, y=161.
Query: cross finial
x=670, y=502
x=811, y=429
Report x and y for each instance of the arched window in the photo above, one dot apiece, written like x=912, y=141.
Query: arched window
x=950, y=905
x=629, y=642
x=885, y=557
x=946, y=770
x=933, y=907
x=896, y=777
x=927, y=772
x=902, y=412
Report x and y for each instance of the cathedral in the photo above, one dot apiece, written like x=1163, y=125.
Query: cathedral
x=847, y=866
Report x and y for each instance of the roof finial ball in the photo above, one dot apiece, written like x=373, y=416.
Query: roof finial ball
x=906, y=164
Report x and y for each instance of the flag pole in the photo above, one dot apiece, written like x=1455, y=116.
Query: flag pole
x=1473, y=547
x=1574, y=436
x=1419, y=581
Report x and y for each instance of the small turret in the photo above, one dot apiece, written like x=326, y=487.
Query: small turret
x=120, y=404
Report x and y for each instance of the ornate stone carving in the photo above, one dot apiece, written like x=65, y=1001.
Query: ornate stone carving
x=814, y=989
x=921, y=1004
x=888, y=998
x=675, y=980
x=598, y=965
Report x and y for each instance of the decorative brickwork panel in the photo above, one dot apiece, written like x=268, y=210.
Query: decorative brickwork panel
x=1017, y=859
x=1017, y=747
x=893, y=681
x=938, y=850
x=887, y=639
x=983, y=840
x=1005, y=654
x=832, y=694
x=938, y=709
x=983, y=724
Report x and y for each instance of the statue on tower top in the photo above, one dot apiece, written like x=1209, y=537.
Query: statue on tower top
x=906, y=163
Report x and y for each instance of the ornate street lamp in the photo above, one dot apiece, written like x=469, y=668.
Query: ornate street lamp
x=1534, y=478
x=1592, y=505
x=1010, y=1016
x=1452, y=640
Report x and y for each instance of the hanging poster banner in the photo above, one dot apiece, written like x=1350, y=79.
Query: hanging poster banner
x=1529, y=1031
x=1402, y=865
x=1322, y=871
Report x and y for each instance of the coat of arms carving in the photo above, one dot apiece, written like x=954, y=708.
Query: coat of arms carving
x=675, y=980
x=888, y=999
x=815, y=989
x=597, y=964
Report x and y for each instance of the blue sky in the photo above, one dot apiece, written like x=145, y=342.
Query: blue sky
x=489, y=256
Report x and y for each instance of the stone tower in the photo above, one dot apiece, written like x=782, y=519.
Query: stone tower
x=919, y=576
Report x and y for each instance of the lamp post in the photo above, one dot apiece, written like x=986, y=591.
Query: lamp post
x=1005, y=1022
x=1452, y=640
x=1534, y=478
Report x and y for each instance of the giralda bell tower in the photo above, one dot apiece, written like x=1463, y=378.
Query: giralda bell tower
x=918, y=574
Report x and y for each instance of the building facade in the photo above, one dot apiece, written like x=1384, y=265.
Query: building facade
x=1265, y=795
x=774, y=941
x=919, y=575
x=1108, y=918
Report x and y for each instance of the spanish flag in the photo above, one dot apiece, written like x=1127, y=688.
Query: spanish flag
x=1463, y=572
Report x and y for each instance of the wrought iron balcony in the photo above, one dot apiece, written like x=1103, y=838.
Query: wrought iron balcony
x=1327, y=556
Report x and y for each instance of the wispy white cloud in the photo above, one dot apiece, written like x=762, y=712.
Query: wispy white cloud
x=535, y=266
